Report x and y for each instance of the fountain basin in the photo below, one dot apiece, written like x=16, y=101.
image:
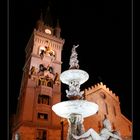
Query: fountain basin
x=83, y=107
x=74, y=75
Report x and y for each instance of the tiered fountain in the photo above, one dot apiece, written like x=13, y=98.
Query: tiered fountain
x=76, y=108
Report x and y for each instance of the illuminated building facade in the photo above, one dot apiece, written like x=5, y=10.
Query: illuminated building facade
x=41, y=88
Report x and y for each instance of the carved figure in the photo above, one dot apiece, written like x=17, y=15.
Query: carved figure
x=42, y=68
x=56, y=79
x=32, y=70
x=74, y=89
x=50, y=68
x=47, y=48
x=73, y=58
x=75, y=125
x=50, y=51
x=42, y=53
x=105, y=134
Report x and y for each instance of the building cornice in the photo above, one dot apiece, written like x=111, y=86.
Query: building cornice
x=99, y=86
x=51, y=37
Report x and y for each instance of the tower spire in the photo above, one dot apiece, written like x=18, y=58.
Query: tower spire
x=57, y=29
x=57, y=23
x=40, y=22
x=41, y=15
x=48, y=17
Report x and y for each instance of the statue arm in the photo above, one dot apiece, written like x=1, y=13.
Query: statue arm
x=114, y=136
x=84, y=135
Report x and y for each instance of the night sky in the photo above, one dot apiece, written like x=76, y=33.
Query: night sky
x=101, y=28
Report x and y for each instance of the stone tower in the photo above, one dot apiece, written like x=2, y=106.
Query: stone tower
x=40, y=87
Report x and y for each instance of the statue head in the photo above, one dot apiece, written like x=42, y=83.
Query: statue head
x=107, y=124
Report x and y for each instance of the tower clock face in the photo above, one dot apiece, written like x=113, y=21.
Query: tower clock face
x=48, y=31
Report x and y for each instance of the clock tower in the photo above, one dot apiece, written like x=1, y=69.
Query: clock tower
x=40, y=86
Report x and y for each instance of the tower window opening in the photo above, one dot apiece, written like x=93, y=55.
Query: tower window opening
x=41, y=134
x=43, y=99
x=106, y=107
x=41, y=82
x=99, y=125
x=103, y=96
x=129, y=128
x=113, y=126
x=50, y=83
x=114, y=110
x=42, y=116
x=42, y=49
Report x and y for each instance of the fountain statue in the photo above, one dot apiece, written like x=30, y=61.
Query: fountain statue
x=105, y=134
x=76, y=108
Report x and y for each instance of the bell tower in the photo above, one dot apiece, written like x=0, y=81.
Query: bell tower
x=40, y=86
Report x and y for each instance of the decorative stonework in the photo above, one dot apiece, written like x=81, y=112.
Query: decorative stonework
x=98, y=86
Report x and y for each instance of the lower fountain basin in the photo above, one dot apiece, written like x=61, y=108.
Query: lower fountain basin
x=83, y=107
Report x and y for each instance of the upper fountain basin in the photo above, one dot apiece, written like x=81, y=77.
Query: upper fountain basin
x=74, y=75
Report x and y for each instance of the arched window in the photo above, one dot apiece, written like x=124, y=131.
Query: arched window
x=103, y=96
x=106, y=108
x=50, y=69
x=129, y=128
x=41, y=49
x=43, y=99
x=113, y=126
x=41, y=134
x=50, y=83
x=114, y=110
x=99, y=125
x=42, y=116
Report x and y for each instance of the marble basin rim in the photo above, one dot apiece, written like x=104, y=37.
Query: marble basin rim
x=74, y=74
x=83, y=107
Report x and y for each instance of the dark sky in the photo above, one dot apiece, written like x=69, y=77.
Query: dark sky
x=101, y=28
